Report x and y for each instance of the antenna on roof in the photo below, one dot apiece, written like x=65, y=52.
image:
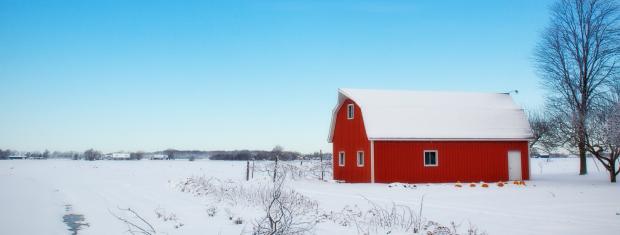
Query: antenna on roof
x=513, y=91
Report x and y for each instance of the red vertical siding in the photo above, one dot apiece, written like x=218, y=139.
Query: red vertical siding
x=465, y=161
x=350, y=137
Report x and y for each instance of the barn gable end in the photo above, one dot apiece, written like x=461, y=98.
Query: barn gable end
x=350, y=137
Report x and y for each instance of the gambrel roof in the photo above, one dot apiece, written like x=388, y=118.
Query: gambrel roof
x=429, y=115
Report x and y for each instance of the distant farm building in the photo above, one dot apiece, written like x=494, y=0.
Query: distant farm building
x=17, y=157
x=419, y=137
x=158, y=157
x=118, y=156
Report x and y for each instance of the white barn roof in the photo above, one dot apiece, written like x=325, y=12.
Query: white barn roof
x=404, y=115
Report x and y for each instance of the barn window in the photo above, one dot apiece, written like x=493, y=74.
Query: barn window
x=360, y=158
x=430, y=158
x=350, y=111
x=341, y=158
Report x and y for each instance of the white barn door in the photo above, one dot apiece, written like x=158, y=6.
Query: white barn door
x=514, y=165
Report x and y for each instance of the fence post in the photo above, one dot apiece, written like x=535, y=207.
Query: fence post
x=247, y=170
x=322, y=168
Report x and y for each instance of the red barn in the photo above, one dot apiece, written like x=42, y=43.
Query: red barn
x=422, y=137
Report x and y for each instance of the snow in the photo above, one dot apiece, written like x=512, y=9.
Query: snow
x=437, y=115
x=35, y=194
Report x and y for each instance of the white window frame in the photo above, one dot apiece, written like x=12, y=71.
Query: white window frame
x=358, y=158
x=350, y=111
x=436, y=158
x=341, y=158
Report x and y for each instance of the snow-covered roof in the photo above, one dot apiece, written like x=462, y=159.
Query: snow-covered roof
x=394, y=115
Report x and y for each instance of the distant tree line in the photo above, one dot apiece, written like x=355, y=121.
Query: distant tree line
x=235, y=155
x=4, y=154
x=244, y=155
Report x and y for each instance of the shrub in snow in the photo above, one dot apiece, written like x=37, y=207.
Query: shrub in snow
x=473, y=230
x=392, y=219
x=231, y=192
x=286, y=211
x=396, y=216
x=211, y=211
x=473, y=185
x=136, y=224
x=165, y=216
x=199, y=186
x=378, y=219
x=295, y=170
x=434, y=228
x=168, y=217
x=289, y=212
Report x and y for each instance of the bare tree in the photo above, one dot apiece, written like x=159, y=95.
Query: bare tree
x=136, y=155
x=615, y=90
x=545, y=128
x=604, y=138
x=541, y=126
x=92, y=155
x=171, y=153
x=577, y=59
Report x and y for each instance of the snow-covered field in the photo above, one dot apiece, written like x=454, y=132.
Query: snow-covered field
x=35, y=196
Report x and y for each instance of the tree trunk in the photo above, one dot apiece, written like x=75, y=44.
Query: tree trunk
x=612, y=172
x=583, y=169
x=581, y=138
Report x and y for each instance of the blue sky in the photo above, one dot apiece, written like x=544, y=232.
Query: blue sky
x=150, y=75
